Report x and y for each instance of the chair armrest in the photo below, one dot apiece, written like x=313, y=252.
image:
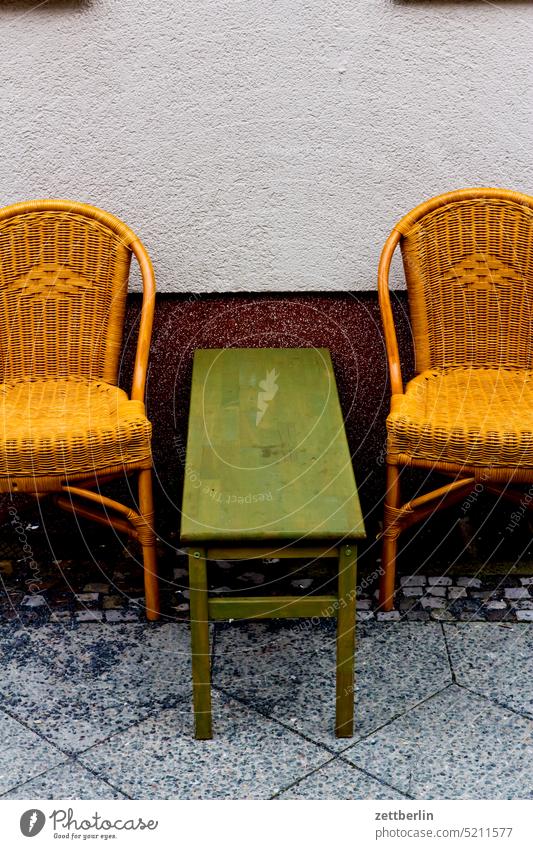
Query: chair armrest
x=391, y=342
x=144, y=337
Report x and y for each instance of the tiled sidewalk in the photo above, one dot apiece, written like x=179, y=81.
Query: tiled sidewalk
x=443, y=710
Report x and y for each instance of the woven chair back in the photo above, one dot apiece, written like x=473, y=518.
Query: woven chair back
x=64, y=271
x=468, y=259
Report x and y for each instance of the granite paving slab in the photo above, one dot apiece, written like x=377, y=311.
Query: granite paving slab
x=23, y=754
x=77, y=686
x=250, y=757
x=456, y=745
x=67, y=781
x=339, y=780
x=495, y=661
x=286, y=669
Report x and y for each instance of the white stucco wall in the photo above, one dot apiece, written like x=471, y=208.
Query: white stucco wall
x=263, y=145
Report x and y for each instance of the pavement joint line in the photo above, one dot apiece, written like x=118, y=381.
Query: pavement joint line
x=323, y=766
x=275, y=719
x=397, y=716
x=378, y=779
x=302, y=778
x=158, y=709
x=28, y=727
x=68, y=753
x=71, y=760
x=105, y=780
x=381, y=781
x=522, y=628
x=35, y=777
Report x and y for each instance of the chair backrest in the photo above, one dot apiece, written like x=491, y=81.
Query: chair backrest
x=64, y=270
x=468, y=260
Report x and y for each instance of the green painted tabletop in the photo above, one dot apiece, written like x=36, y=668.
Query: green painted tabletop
x=267, y=457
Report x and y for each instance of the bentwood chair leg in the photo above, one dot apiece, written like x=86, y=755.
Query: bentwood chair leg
x=391, y=532
x=148, y=542
x=201, y=667
x=346, y=640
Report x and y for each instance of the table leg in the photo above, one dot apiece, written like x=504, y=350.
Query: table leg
x=201, y=666
x=346, y=640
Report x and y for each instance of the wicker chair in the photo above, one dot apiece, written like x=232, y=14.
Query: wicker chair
x=66, y=426
x=468, y=413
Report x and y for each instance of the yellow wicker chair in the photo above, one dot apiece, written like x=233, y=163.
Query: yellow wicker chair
x=66, y=427
x=468, y=413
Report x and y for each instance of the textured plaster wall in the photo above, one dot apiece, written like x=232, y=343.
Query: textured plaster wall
x=263, y=145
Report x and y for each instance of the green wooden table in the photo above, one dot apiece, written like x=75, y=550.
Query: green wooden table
x=268, y=474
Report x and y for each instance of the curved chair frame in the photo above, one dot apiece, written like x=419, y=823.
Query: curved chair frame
x=81, y=498
x=397, y=516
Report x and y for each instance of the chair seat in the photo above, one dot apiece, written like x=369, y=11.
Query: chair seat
x=69, y=427
x=481, y=417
